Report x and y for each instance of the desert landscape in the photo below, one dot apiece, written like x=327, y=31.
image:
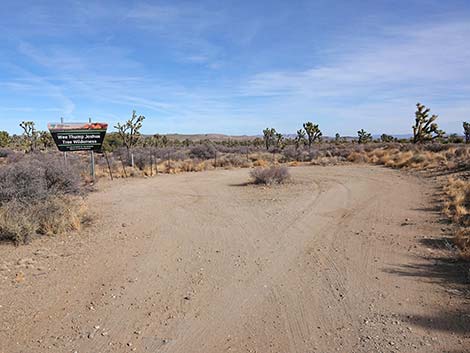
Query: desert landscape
x=349, y=257
x=234, y=176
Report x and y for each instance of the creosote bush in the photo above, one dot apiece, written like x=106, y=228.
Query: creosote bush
x=271, y=175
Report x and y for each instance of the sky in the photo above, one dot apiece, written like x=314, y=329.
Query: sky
x=236, y=67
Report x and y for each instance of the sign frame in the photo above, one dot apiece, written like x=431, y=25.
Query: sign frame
x=78, y=137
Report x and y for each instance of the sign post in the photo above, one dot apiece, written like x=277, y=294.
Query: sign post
x=92, y=170
x=76, y=137
x=65, y=153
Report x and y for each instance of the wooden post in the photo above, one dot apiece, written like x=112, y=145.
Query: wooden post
x=215, y=160
x=168, y=159
x=65, y=153
x=151, y=165
x=92, y=169
x=109, y=165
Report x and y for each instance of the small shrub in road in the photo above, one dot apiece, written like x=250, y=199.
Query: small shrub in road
x=271, y=175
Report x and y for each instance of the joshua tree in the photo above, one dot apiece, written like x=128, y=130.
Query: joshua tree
x=337, y=137
x=466, y=131
x=30, y=134
x=279, y=140
x=269, y=135
x=425, y=129
x=364, y=136
x=313, y=132
x=386, y=138
x=4, y=139
x=45, y=139
x=454, y=138
x=130, y=132
x=300, y=138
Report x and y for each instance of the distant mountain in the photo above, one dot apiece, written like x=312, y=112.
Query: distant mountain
x=221, y=137
x=211, y=137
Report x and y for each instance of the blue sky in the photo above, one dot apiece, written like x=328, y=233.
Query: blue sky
x=236, y=67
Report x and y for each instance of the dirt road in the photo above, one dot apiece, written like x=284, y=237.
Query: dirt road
x=343, y=259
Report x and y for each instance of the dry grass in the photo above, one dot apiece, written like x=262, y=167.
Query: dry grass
x=457, y=208
x=20, y=222
x=61, y=215
x=462, y=240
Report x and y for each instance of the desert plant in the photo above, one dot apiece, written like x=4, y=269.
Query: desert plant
x=17, y=223
x=299, y=138
x=39, y=195
x=466, y=131
x=129, y=132
x=386, y=138
x=337, y=137
x=5, y=153
x=36, y=178
x=271, y=175
x=30, y=135
x=313, y=133
x=268, y=137
x=45, y=139
x=279, y=140
x=4, y=139
x=454, y=138
x=20, y=221
x=363, y=136
x=205, y=151
x=425, y=128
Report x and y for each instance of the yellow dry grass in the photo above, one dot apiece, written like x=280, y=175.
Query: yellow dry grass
x=53, y=216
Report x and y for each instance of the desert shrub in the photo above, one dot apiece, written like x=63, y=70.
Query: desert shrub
x=232, y=160
x=457, y=205
x=290, y=153
x=369, y=148
x=436, y=147
x=17, y=223
x=314, y=154
x=272, y=175
x=461, y=151
x=59, y=215
x=37, y=196
x=20, y=221
x=15, y=157
x=449, y=154
x=202, y=151
x=142, y=157
x=462, y=240
x=457, y=208
x=357, y=157
x=418, y=158
x=35, y=178
x=4, y=153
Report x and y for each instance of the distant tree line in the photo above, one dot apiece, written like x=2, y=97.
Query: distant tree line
x=128, y=136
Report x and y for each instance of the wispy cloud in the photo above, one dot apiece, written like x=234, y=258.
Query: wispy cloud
x=375, y=82
x=217, y=67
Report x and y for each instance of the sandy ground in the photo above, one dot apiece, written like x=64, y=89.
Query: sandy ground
x=343, y=259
